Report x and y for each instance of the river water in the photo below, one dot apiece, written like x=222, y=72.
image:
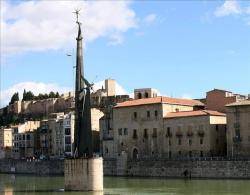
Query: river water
x=23, y=184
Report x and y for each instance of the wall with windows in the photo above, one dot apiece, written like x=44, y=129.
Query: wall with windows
x=138, y=131
x=194, y=137
x=238, y=134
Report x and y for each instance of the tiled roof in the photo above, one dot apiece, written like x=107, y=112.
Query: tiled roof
x=194, y=113
x=240, y=103
x=159, y=99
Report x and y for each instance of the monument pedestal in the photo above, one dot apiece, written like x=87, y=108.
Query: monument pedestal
x=83, y=174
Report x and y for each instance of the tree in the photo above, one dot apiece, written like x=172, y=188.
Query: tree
x=15, y=97
x=52, y=94
x=28, y=95
x=24, y=95
x=57, y=95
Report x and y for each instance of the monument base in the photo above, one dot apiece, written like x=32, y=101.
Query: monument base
x=83, y=174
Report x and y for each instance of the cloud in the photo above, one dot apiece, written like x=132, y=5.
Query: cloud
x=35, y=87
x=149, y=19
x=50, y=25
x=231, y=7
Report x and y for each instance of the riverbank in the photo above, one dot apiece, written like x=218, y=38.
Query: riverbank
x=224, y=169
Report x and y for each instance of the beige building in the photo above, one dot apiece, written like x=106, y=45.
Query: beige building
x=5, y=142
x=238, y=125
x=200, y=133
x=145, y=93
x=24, y=142
x=136, y=118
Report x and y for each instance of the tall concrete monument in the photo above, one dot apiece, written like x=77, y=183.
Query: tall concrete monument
x=83, y=172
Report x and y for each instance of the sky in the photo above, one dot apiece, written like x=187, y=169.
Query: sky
x=181, y=48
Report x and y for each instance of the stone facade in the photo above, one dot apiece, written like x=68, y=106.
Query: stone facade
x=5, y=142
x=198, y=135
x=138, y=127
x=145, y=93
x=238, y=125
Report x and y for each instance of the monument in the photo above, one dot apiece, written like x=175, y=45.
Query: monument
x=83, y=172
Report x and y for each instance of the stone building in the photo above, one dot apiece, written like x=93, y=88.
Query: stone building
x=5, y=142
x=145, y=93
x=133, y=119
x=24, y=143
x=238, y=129
x=217, y=99
x=200, y=133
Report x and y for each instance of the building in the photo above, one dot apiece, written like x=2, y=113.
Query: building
x=68, y=134
x=217, y=99
x=145, y=93
x=24, y=143
x=5, y=142
x=200, y=133
x=132, y=119
x=238, y=125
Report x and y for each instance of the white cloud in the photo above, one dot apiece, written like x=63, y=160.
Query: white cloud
x=149, y=19
x=45, y=25
x=35, y=87
x=229, y=7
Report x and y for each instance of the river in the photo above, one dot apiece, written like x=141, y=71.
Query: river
x=23, y=184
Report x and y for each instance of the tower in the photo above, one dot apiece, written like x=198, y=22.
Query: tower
x=84, y=172
x=83, y=133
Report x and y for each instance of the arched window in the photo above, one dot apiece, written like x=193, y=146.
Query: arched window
x=146, y=94
x=135, y=153
x=139, y=96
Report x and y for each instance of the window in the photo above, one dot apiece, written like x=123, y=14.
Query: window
x=154, y=132
x=67, y=131
x=179, y=153
x=125, y=131
x=156, y=113
x=106, y=150
x=28, y=136
x=169, y=142
x=168, y=132
x=201, y=141
x=139, y=95
x=217, y=128
x=146, y=95
x=148, y=114
x=190, y=142
x=190, y=153
x=120, y=131
x=177, y=110
x=135, y=134
x=179, y=141
x=201, y=153
x=135, y=153
x=68, y=140
x=145, y=135
x=169, y=154
x=135, y=115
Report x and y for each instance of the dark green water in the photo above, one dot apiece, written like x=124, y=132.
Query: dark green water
x=20, y=184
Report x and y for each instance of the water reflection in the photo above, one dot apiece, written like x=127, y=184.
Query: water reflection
x=23, y=184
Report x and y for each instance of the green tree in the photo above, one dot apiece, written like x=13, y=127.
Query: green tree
x=15, y=97
x=57, y=95
x=24, y=95
x=52, y=94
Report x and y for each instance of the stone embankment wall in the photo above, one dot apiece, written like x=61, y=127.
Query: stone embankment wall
x=193, y=169
x=148, y=168
x=55, y=167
